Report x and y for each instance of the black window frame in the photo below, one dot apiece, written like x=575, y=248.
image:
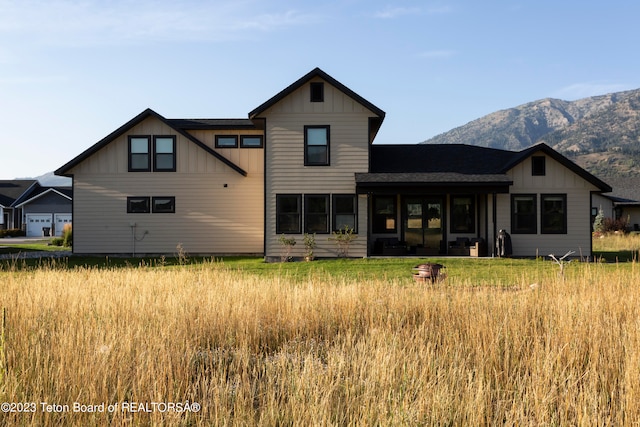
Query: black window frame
x=538, y=165
x=293, y=213
x=259, y=137
x=518, y=218
x=144, y=199
x=172, y=204
x=219, y=137
x=336, y=226
x=316, y=92
x=130, y=156
x=545, y=220
x=380, y=221
x=156, y=154
x=468, y=219
x=307, y=156
x=313, y=218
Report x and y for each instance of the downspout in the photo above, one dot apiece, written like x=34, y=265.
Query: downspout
x=495, y=224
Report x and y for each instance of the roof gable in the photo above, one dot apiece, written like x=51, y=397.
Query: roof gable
x=544, y=148
x=316, y=72
x=64, y=170
x=11, y=191
x=64, y=192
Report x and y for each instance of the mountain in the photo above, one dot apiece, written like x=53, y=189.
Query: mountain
x=600, y=133
x=51, y=180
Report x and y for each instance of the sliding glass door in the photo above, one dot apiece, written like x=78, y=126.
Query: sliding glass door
x=423, y=224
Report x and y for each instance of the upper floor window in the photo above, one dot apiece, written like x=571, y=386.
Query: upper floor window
x=316, y=145
x=523, y=214
x=317, y=91
x=226, y=141
x=139, y=154
x=553, y=213
x=251, y=141
x=164, y=153
x=538, y=166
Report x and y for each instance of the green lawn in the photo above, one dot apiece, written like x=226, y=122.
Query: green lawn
x=470, y=271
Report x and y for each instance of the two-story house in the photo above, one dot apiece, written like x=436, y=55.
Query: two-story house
x=304, y=162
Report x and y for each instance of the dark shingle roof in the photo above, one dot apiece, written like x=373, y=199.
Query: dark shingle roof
x=211, y=124
x=11, y=190
x=454, y=165
x=442, y=158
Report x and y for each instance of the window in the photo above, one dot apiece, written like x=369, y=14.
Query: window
x=538, y=166
x=523, y=214
x=251, y=141
x=384, y=215
x=316, y=213
x=345, y=211
x=288, y=213
x=463, y=214
x=317, y=91
x=226, y=141
x=553, y=213
x=138, y=205
x=163, y=204
x=139, y=154
x=164, y=153
x=316, y=145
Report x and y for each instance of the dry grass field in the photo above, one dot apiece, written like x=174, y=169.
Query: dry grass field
x=203, y=345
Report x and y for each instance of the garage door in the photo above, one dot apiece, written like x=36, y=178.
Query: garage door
x=35, y=223
x=60, y=221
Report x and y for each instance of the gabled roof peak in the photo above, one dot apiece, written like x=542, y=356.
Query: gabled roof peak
x=316, y=72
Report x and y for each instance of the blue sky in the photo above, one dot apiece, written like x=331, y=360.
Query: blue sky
x=72, y=71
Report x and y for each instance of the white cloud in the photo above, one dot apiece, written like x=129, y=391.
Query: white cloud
x=436, y=54
x=394, y=12
x=88, y=22
x=584, y=90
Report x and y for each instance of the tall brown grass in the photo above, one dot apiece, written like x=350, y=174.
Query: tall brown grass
x=256, y=351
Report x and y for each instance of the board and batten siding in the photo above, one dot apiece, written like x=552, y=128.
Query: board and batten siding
x=217, y=210
x=558, y=179
x=285, y=169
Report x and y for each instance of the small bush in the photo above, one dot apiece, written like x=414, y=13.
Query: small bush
x=13, y=232
x=67, y=236
x=610, y=225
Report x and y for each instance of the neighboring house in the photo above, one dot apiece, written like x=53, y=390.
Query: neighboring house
x=623, y=202
x=304, y=162
x=26, y=205
x=13, y=192
x=46, y=211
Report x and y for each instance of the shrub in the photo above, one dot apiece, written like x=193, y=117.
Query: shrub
x=287, y=246
x=12, y=232
x=67, y=236
x=610, y=225
x=343, y=238
x=309, y=241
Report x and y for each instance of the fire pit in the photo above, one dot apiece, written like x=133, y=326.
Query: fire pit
x=429, y=272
